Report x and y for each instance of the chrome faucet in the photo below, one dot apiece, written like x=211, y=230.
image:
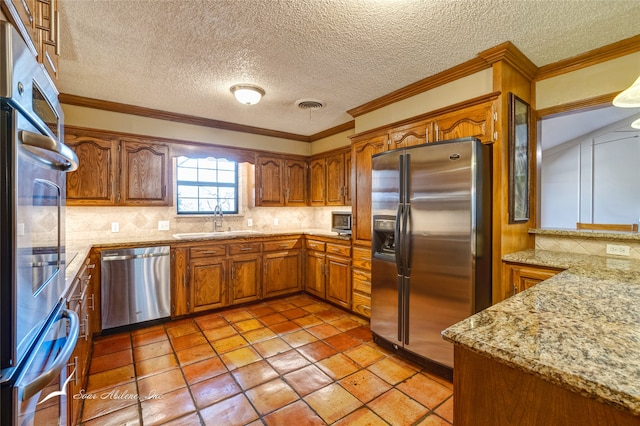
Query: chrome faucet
x=217, y=218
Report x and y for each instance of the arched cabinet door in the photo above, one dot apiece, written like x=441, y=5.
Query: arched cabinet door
x=145, y=174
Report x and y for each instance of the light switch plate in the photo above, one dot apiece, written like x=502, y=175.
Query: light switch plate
x=249, y=222
x=163, y=225
x=115, y=227
x=275, y=221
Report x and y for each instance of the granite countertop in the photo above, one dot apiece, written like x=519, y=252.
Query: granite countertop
x=585, y=233
x=579, y=329
x=78, y=250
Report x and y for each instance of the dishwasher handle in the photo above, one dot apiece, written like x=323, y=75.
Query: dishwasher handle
x=113, y=257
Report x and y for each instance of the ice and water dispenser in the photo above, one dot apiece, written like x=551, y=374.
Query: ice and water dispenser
x=384, y=244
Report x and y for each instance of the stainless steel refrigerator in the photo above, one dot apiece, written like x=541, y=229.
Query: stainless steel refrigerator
x=431, y=248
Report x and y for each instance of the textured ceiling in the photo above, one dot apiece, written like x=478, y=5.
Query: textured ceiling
x=184, y=55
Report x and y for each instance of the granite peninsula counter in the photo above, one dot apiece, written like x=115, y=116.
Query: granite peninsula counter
x=575, y=338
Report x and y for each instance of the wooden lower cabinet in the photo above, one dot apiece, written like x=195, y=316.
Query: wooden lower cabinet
x=282, y=273
x=338, y=270
x=328, y=270
x=208, y=282
x=244, y=283
x=81, y=299
x=314, y=269
x=361, y=280
x=487, y=391
x=211, y=275
x=519, y=277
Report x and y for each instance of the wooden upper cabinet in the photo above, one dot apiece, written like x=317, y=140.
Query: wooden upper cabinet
x=411, y=134
x=336, y=184
x=475, y=121
x=117, y=172
x=330, y=178
x=38, y=24
x=145, y=171
x=361, y=153
x=318, y=182
x=47, y=23
x=269, y=182
x=94, y=182
x=295, y=182
x=347, y=178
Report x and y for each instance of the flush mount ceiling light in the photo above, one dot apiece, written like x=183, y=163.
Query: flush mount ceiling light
x=630, y=97
x=247, y=94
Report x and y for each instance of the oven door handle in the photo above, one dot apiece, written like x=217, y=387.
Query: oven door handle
x=40, y=382
x=47, y=143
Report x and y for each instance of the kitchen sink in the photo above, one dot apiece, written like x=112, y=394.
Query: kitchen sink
x=220, y=234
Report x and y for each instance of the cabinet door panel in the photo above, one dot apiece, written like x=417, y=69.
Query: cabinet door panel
x=296, y=174
x=410, y=135
x=208, y=283
x=269, y=182
x=180, y=298
x=93, y=183
x=244, y=284
x=361, y=156
x=145, y=174
x=347, y=178
x=317, y=172
x=475, y=121
x=315, y=280
x=281, y=273
x=339, y=280
x=335, y=188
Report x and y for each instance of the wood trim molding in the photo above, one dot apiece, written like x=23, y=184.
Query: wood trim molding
x=581, y=105
x=509, y=53
x=69, y=99
x=377, y=131
x=463, y=70
x=502, y=52
x=592, y=57
x=333, y=131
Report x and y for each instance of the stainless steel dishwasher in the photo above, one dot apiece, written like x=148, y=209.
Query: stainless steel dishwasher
x=135, y=285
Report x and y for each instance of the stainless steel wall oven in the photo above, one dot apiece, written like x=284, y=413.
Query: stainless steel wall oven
x=37, y=333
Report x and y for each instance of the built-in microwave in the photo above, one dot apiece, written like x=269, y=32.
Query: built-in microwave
x=341, y=222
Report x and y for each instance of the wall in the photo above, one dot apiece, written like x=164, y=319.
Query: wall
x=469, y=87
x=604, y=78
x=94, y=223
x=107, y=120
x=329, y=143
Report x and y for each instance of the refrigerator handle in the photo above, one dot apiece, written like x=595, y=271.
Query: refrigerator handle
x=397, y=237
x=406, y=218
x=401, y=307
x=405, y=309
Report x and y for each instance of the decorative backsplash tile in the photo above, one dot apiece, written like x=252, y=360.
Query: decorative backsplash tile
x=94, y=223
x=575, y=244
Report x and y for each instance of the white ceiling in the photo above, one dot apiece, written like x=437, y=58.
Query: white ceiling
x=184, y=55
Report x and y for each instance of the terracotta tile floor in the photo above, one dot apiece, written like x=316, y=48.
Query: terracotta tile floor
x=291, y=361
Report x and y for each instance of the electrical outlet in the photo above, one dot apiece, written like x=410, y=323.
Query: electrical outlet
x=618, y=250
x=163, y=225
x=275, y=221
x=249, y=222
x=115, y=227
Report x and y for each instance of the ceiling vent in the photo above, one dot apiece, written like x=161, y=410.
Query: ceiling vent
x=310, y=104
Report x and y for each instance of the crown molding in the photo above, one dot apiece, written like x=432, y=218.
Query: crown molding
x=581, y=105
x=592, y=57
x=508, y=52
x=68, y=99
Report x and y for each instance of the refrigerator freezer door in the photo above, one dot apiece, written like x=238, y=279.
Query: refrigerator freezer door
x=441, y=258
x=386, y=281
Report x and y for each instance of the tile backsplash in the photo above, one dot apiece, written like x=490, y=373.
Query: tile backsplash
x=95, y=223
x=592, y=246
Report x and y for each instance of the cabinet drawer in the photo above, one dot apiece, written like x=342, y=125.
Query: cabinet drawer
x=281, y=245
x=362, y=275
x=315, y=245
x=361, y=286
x=362, y=304
x=244, y=248
x=362, y=258
x=208, y=251
x=339, y=249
